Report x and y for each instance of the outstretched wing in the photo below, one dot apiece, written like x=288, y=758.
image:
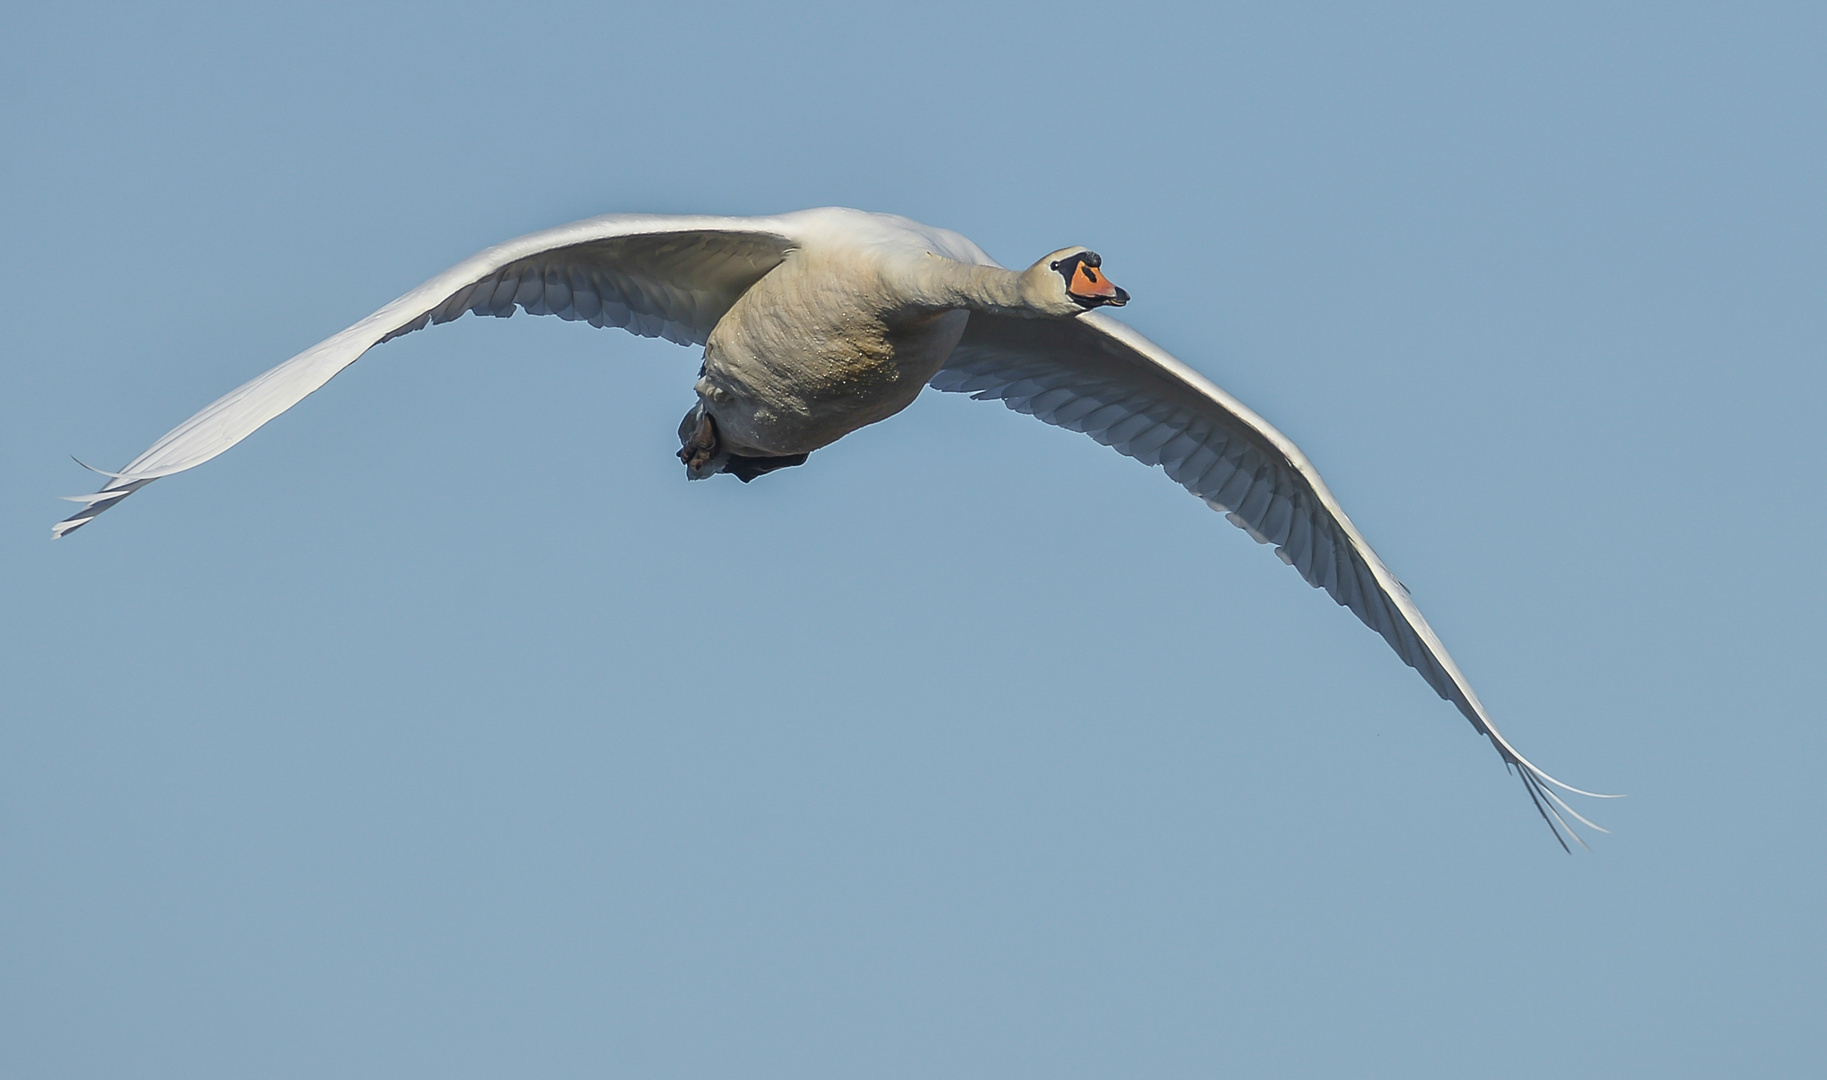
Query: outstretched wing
x=658, y=276
x=1096, y=375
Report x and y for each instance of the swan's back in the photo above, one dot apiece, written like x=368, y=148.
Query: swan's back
x=839, y=228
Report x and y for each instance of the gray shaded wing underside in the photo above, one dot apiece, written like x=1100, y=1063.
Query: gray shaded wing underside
x=1097, y=376
x=673, y=285
x=669, y=277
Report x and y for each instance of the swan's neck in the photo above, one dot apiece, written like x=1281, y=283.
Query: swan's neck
x=946, y=283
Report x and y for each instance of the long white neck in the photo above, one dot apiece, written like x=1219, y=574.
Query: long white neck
x=938, y=282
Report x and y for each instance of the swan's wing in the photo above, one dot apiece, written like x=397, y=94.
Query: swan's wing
x=658, y=276
x=1096, y=375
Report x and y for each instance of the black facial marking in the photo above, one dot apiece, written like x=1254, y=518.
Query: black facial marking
x=1068, y=269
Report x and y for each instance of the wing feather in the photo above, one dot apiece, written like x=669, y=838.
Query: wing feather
x=658, y=276
x=1095, y=375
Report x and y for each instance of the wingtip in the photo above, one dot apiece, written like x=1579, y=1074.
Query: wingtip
x=1553, y=809
x=122, y=477
x=98, y=496
x=107, y=498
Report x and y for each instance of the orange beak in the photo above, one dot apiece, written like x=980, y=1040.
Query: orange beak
x=1088, y=284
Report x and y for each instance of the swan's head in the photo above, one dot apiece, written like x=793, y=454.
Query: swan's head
x=1069, y=282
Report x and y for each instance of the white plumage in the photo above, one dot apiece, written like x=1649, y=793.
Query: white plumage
x=819, y=322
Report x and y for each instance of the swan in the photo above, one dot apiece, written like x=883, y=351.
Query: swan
x=820, y=322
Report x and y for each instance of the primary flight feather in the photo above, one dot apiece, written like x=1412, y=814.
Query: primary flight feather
x=819, y=322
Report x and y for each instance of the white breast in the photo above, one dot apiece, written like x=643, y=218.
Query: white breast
x=820, y=347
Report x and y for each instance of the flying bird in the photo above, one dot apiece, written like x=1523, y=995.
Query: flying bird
x=820, y=322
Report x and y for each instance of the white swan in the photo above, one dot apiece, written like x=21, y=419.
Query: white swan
x=819, y=322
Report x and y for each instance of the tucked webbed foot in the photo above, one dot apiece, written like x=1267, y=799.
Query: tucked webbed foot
x=705, y=455
x=700, y=445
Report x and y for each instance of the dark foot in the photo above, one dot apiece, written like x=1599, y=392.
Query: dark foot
x=701, y=446
x=748, y=468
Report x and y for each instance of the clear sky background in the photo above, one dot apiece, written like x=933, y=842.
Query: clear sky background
x=442, y=729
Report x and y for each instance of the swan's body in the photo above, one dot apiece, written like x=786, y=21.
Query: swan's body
x=823, y=345
x=820, y=322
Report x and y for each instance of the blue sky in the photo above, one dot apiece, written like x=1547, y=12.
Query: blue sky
x=442, y=729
